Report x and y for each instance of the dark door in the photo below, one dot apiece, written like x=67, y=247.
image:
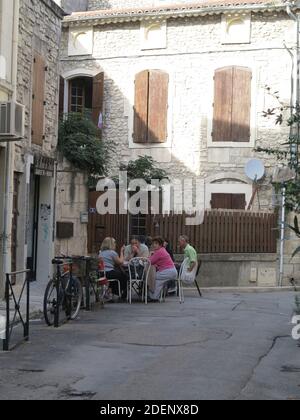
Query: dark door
x=34, y=208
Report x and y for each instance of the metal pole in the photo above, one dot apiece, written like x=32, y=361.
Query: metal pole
x=7, y=332
x=26, y=331
x=282, y=236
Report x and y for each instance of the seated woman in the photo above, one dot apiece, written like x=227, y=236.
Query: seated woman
x=165, y=267
x=136, y=249
x=113, y=265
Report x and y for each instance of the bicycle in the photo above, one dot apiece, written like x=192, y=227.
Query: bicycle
x=63, y=291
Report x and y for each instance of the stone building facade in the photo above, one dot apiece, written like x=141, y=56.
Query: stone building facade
x=191, y=45
x=33, y=171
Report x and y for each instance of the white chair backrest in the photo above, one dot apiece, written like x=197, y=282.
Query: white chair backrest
x=184, y=271
x=184, y=267
x=139, y=269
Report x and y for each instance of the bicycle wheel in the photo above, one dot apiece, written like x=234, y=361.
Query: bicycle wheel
x=50, y=303
x=74, y=298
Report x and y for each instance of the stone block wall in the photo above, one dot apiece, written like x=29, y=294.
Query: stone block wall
x=40, y=31
x=72, y=199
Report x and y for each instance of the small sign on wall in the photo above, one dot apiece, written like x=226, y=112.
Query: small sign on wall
x=84, y=217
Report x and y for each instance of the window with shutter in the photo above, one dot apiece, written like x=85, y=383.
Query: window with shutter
x=151, y=107
x=38, y=99
x=232, y=105
x=228, y=201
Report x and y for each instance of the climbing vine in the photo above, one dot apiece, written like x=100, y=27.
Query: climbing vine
x=79, y=141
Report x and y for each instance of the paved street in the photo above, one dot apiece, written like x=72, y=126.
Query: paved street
x=225, y=346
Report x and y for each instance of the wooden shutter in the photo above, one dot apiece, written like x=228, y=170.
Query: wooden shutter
x=221, y=201
x=98, y=97
x=241, y=104
x=232, y=105
x=228, y=201
x=223, y=105
x=141, y=107
x=238, y=201
x=158, y=106
x=61, y=96
x=38, y=99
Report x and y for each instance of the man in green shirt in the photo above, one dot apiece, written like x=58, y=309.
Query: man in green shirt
x=189, y=252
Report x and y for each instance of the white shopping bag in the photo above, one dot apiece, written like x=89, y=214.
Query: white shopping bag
x=2, y=327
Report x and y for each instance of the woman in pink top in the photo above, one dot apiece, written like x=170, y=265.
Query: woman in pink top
x=165, y=267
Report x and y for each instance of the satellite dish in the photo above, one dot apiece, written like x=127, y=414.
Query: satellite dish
x=255, y=169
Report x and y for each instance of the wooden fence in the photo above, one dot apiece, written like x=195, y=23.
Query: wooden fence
x=236, y=232
x=222, y=232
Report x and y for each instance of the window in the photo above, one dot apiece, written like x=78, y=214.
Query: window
x=228, y=201
x=232, y=105
x=6, y=39
x=85, y=94
x=151, y=107
x=81, y=91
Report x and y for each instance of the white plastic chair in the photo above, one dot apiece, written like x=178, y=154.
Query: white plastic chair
x=139, y=269
x=180, y=281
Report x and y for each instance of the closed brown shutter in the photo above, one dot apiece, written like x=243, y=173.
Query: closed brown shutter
x=158, y=106
x=221, y=201
x=38, y=98
x=61, y=96
x=238, y=202
x=223, y=105
x=228, y=201
x=241, y=104
x=232, y=105
x=98, y=97
x=141, y=107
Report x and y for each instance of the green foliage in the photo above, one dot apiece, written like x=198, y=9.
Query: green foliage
x=144, y=168
x=287, y=153
x=79, y=140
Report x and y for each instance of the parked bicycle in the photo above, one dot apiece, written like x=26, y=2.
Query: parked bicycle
x=64, y=292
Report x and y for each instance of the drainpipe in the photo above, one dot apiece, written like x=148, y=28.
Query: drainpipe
x=10, y=148
x=294, y=148
x=296, y=18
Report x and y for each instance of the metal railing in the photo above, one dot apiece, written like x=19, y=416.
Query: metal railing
x=18, y=316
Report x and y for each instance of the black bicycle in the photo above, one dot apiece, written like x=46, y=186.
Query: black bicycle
x=64, y=292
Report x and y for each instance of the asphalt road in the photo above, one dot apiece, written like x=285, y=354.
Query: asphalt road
x=224, y=346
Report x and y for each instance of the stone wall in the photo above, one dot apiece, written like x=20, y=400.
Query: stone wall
x=72, y=199
x=193, y=53
x=40, y=31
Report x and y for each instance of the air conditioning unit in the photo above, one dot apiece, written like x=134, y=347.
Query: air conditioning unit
x=12, y=121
